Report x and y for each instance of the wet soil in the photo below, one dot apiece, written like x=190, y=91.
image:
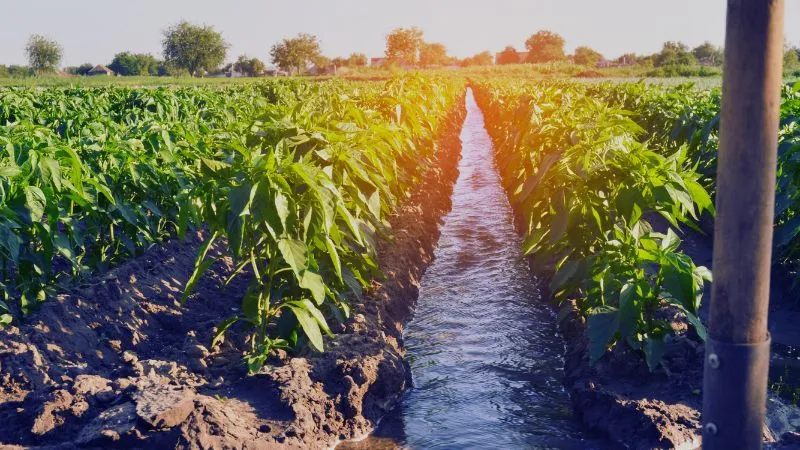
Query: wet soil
x=120, y=363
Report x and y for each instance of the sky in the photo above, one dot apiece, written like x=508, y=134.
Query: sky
x=95, y=30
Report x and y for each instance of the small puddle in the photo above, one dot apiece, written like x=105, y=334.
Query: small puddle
x=485, y=355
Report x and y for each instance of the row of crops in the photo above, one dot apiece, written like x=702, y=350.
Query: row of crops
x=606, y=178
x=294, y=180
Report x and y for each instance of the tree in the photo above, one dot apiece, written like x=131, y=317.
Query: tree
x=587, y=56
x=480, y=59
x=250, y=67
x=433, y=54
x=357, y=60
x=194, y=47
x=44, y=54
x=322, y=63
x=509, y=55
x=130, y=64
x=15, y=71
x=296, y=53
x=675, y=54
x=403, y=45
x=708, y=52
x=545, y=46
x=791, y=59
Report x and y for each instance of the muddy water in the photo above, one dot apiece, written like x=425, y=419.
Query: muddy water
x=485, y=356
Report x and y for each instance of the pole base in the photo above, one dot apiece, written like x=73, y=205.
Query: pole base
x=734, y=394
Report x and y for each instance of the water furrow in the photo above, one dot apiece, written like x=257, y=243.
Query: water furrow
x=483, y=346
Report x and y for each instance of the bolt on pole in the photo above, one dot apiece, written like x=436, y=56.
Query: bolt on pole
x=737, y=351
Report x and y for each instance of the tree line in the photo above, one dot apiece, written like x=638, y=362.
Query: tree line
x=196, y=50
x=547, y=46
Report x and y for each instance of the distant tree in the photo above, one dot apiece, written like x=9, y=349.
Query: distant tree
x=708, y=52
x=587, y=56
x=130, y=64
x=674, y=54
x=357, y=60
x=16, y=71
x=509, y=55
x=432, y=54
x=791, y=59
x=295, y=54
x=81, y=70
x=194, y=48
x=403, y=45
x=545, y=46
x=480, y=59
x=44, y=54
x=251, y=67
x=4, y=71
x=340, y=62
x=322, y=63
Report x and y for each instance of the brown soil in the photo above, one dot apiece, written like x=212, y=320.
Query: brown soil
x=120, y=363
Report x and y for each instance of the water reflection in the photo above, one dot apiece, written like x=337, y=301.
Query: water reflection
x=483, y=348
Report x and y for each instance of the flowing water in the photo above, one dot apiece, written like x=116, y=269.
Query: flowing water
x=485, y=357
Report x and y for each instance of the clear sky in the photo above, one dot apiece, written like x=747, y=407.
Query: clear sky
x=94, y=30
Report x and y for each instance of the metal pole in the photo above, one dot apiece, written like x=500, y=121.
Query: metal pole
x=737, y=352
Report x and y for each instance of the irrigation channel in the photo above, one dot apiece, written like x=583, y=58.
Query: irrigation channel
x=485, y=355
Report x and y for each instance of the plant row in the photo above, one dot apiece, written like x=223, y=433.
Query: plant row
x=294, y=180
x=601, y=204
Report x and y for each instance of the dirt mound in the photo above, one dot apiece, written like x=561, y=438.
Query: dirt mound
x=623, y=400
x=119, y=362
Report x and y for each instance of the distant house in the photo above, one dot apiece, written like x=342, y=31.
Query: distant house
x=272, y=72
x=101, y=70
x=605, y=64
x=707, y=61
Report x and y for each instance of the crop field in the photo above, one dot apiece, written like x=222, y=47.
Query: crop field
x=324, y=199
x=607, y=177
x=297, y=179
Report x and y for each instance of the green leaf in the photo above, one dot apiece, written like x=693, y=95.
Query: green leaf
x=314, y=283
x=309, y=325
x=700, y=196
x=680, y=285
x=127, y=213
x=282, y=206
x=9, y=171
x=654, y=349
x=603, y=324
x=241, y=197
x=670, y=241
x=219, y=335
x=560, y=221
x=51, y=171
x=564, y=275
x=334, y=255
x=628, y=310
x=200, y=266
x=294, y=253
x=35, y=202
